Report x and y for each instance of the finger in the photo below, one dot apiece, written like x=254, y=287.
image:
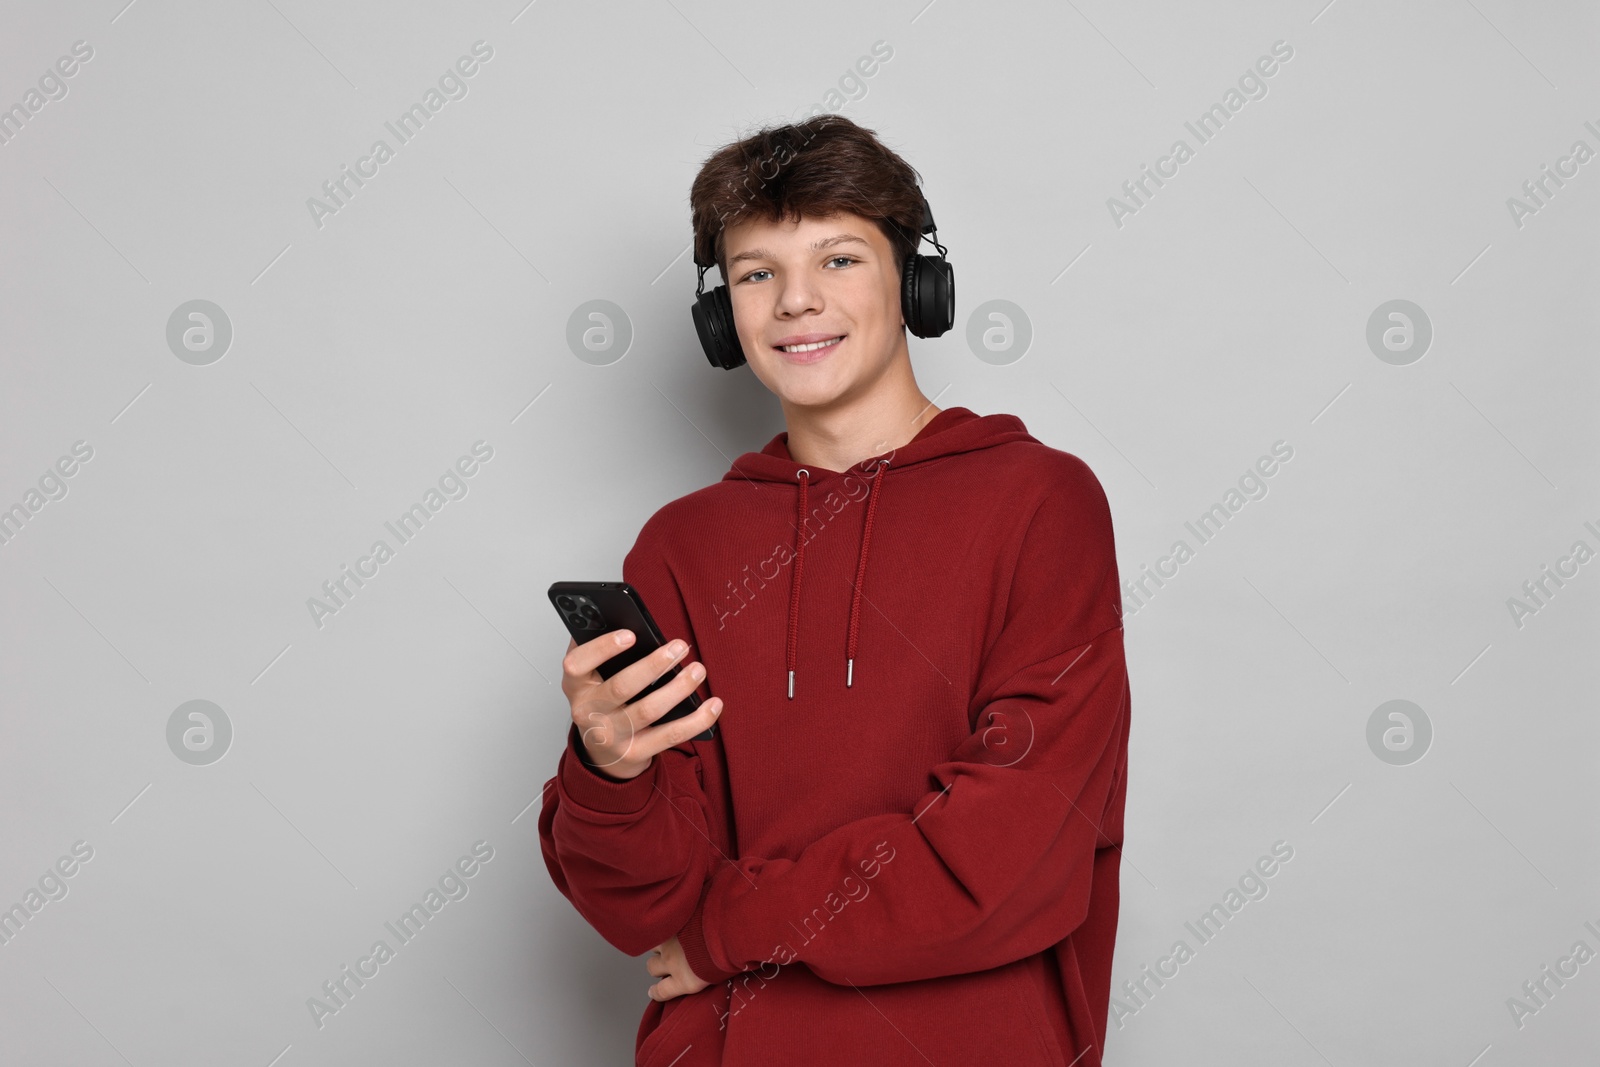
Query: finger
x=666, y=735
x=643, y=740
x=627, y=683
x=647, y=742
x=630, y=723
x=580, y=662
x=681, y=730
x=648, y=709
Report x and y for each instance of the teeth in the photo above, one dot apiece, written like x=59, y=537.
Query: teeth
x=810, y=347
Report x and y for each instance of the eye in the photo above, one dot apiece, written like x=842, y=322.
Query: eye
x=747, y=277
x=847, y=259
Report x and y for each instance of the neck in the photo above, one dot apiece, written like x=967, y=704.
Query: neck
x=843, y=434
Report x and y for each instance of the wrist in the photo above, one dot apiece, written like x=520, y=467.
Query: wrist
x=692, y=939
x=596, y=790
x=620, y=771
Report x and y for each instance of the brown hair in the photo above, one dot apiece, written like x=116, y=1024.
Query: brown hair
x=822, y=166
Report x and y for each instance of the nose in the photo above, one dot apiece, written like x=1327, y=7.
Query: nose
x=797, y=295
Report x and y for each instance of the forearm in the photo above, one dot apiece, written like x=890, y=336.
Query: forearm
x=991, y=865
x=998, y=857
x=632, y=856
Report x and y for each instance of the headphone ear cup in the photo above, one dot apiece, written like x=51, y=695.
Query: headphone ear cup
x=713, y=321
x=908, y=294
x=928, y=295
x=943, y=296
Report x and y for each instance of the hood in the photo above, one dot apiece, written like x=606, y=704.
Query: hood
x=951, y=432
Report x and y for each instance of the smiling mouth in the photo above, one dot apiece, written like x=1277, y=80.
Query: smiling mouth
x=817, y=346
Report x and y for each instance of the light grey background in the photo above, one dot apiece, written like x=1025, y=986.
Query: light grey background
x=431, y=312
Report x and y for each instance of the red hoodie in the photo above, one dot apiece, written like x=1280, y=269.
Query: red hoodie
x=903, y=846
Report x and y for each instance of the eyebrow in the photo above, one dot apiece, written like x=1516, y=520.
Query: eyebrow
x=816, y=246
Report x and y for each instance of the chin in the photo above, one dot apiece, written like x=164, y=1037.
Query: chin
x=818, y=395
x=785, y=387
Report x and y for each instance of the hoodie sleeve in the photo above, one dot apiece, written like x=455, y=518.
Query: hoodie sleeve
x=633, y=855
x=995, y=862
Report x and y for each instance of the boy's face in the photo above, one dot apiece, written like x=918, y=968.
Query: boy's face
x=811, y=280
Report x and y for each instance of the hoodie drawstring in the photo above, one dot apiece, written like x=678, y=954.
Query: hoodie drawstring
x=875, y=489
x=799, y=562
x=861, y=574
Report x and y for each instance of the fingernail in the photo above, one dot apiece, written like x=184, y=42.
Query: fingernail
x=625, y=637
x=677, y=648
x=716, y=706
x=697, y=672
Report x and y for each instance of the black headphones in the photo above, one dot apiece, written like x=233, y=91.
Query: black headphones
x=927, y=300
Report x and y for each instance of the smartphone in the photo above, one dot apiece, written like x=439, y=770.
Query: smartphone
x=592, y=608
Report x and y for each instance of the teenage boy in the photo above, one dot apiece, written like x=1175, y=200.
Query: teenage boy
x=902, y=845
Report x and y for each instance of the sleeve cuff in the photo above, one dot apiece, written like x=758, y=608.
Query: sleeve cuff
x=692, y=939
x=593, y=788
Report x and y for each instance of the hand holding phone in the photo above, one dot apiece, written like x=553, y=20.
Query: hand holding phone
x=623, y=738
x=629, y=695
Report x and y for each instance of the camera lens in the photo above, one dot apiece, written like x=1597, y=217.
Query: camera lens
x=565, y=603
x=578, y=621
x=590, y=611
